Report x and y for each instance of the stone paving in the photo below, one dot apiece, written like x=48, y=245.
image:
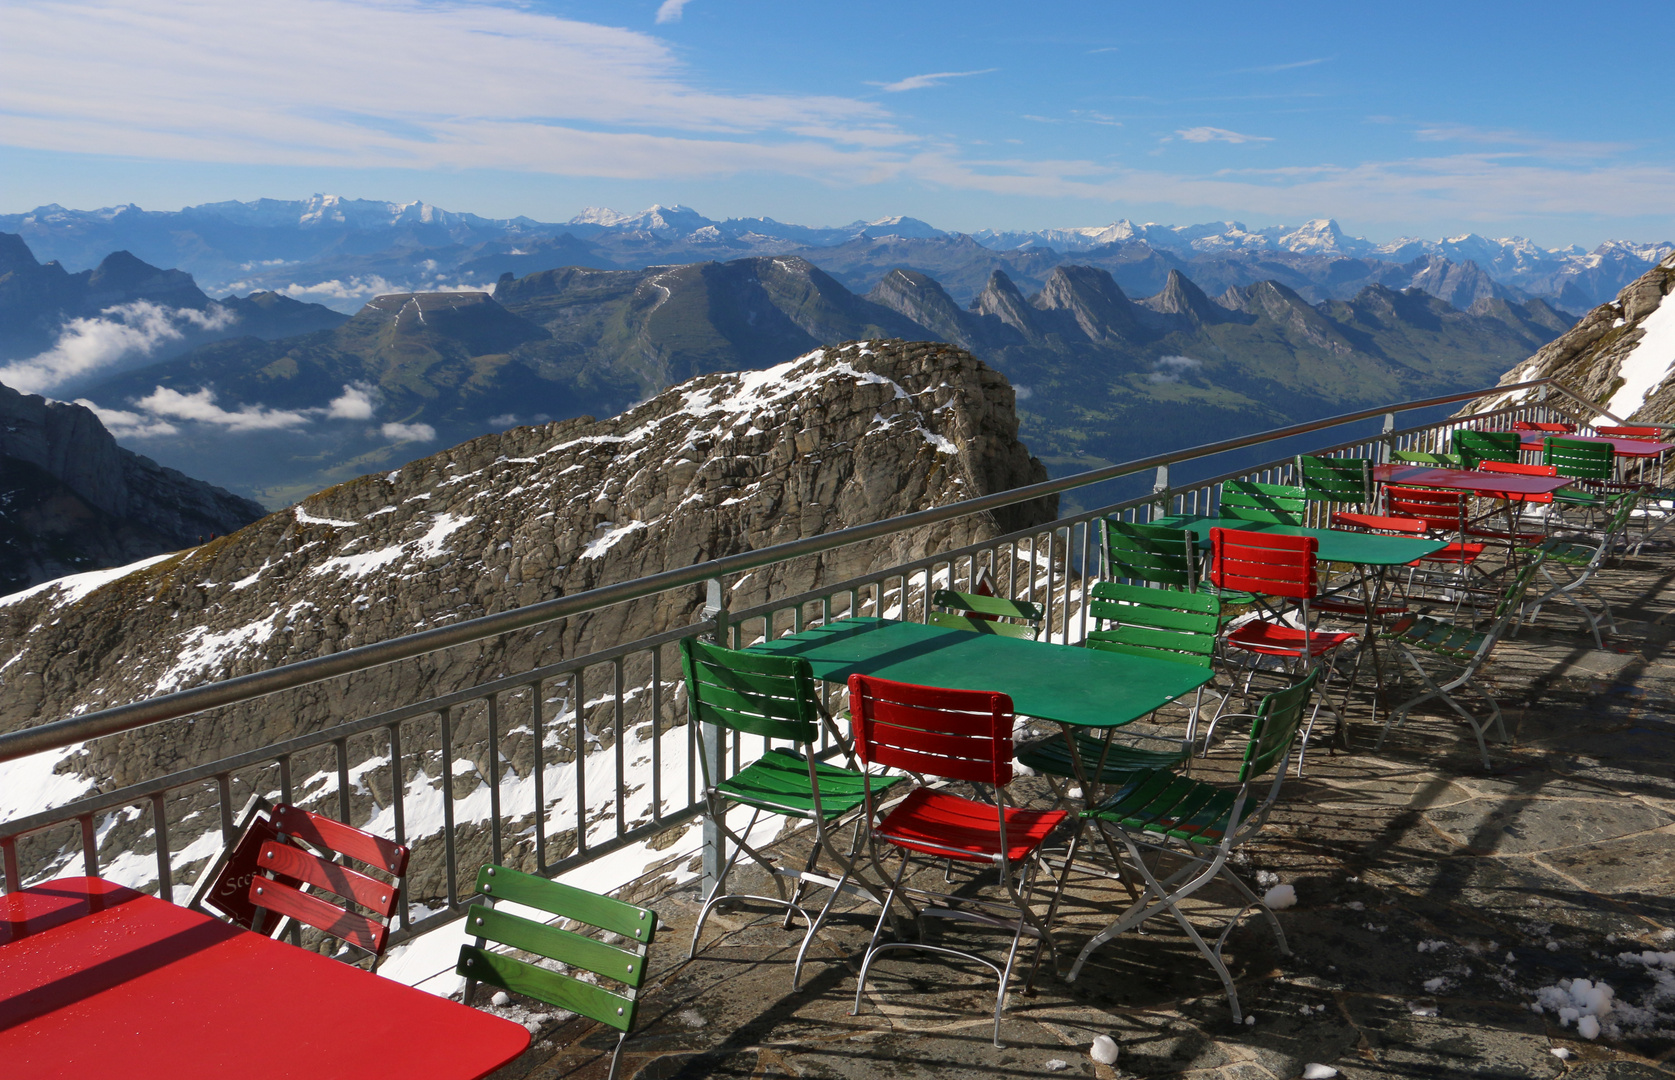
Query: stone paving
x=1435, y=901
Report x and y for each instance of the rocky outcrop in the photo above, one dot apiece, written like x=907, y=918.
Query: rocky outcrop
x=1181, y=298
x=71, y=499
x=1620, y=355
x=1092, y=299
x=1001, y=299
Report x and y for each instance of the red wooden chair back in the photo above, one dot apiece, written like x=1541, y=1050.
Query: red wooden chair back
x=1522, y=469
x=1537, y=425
x=953, y=734
x=281, y=859
x=1633, y=431
x=1267, y=564
x=1441, y=511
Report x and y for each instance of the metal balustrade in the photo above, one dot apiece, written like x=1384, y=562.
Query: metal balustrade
x=544, y=789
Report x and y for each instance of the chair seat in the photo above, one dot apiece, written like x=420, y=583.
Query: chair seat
x=1502, y=534
x=951, y=827
x=1165, y=804
x=778, y=782
x=1331, y=605
x=1052, y=756
x=1457, y=552
x=1278, y=639
x=1436, y=636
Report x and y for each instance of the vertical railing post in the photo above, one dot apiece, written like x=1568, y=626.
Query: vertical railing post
x=715, y=855
x=1160, y=488
x=1386, y=445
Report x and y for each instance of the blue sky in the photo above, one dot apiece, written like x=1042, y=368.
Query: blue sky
x=1542, y=120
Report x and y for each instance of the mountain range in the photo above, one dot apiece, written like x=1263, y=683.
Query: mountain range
x=341, y=252
x=1100, y=377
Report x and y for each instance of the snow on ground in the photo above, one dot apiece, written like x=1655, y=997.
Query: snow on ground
x=1647, y=365
x=76, y=586
x=31, y=784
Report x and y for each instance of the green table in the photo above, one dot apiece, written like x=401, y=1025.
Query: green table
x=1336, y=545
x=1064, y=683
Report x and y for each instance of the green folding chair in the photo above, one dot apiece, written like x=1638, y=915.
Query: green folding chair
x=986, y=614
x=1335, y=480
x=774, y=697
x=1576, y=562
x=1477, y=446
x=623, y=965
x=1202, y=825
x=1160, y=554
x=1276, y=504
x=1459, y=646
x=1162, y=624
x=1593, y=465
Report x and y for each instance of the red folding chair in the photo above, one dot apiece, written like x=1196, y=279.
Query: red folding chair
x=961, y=735
x=1270, y=565
x=284, y=859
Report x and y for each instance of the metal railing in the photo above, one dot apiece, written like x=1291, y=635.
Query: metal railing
x=558, y=766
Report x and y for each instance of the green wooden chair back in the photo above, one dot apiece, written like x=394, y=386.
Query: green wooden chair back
x=1277, y=719
x=1279, y=504
x=1426, y=457
x=624, y=964
x=1578, y=459
x=755, y=693
x=1476, y=446
x=1165, y=624
x=1340, y=480
x=1154, y=553
x=966, y=611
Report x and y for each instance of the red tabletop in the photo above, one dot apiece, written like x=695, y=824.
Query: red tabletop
x=1495, y=485
x=1624, y=447
x=100, y=980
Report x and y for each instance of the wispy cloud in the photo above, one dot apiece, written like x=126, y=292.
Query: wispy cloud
x=1215, y=134
x=919, y=82
x=200, y=405
x=670, y=10
x=1538, y=145
x=87, y=346
x=1271, y=69
x=408, y=432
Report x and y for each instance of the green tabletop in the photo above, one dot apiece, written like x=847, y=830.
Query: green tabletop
x=1087, y=687
x=1336, y=545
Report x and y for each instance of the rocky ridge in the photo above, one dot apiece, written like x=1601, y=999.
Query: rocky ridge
x=719, y=464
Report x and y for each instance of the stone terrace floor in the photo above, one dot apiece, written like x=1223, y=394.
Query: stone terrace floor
x=1434, y=900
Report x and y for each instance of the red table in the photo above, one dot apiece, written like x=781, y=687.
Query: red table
x=98, y=980
x=1490, y=485
x=1630, y=448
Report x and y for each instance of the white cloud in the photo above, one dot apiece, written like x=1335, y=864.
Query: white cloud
x=408, y=432
x=356, y=403
x=483, y=85
x=1169, y=369
x=129, y=425
x=88, y=345
x=670, y=11
x=1215, y=134
x=200, y=405
x=1272, y=69
x=919, y=82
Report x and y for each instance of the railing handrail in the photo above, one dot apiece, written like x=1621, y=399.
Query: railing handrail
x=155, y=710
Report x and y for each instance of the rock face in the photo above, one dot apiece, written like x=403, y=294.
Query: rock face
x=1620, y=355
x=720, y=464
x=71, y=499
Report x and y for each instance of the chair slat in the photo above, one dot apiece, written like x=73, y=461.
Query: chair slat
x=308, y=908
x=555, y=943
x=1106, y=592
x=508, y=973
x=343, y=839
x=557, y=898
x=1142, y=641
x=363, y=889
x=980, y=626
x=987, y=605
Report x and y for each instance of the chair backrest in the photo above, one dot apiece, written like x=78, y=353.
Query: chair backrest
x=1631, y=431
x=1426, y=457
x=1578, y=458
x=753, y=693
x=1264, y=563
x=1277, y=719
x=1166, y=624
x=306, y=845
x=1441, y=510
x=984, y=614
x=1476, y=446
x=1519, y=468
x=1379, y=523
x=1538, y=425
x=953, y=734
x=1340, y=480
x=1278, y=504
x=1154, y=553
x=624, y=964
